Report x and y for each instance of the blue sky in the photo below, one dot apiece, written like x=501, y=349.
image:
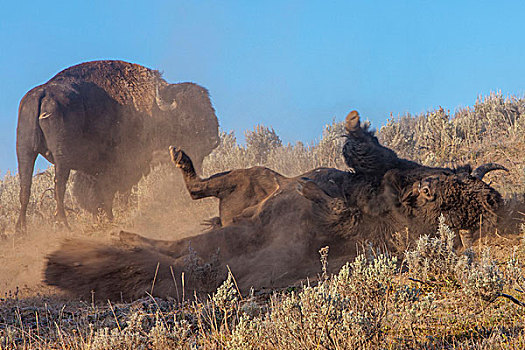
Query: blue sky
x=294, y=65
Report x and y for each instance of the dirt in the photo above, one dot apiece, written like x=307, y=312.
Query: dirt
x=170, y=215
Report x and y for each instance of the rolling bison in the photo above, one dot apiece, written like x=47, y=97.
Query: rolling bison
x=105, y=119
x=384, y=193
x=271, y=227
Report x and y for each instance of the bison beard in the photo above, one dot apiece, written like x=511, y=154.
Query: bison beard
x=271, y=227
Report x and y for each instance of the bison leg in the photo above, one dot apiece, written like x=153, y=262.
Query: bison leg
x=230, y=241
x=26, y=164
x=197, y=187
x=108, y=210
x=182, y=161
x=174, y=249
x=61, y=177
x=104, y=210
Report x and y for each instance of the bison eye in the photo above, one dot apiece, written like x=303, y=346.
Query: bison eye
x=425, y=192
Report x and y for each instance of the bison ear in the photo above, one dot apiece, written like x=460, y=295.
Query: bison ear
x=352, y=122
x=165, y=104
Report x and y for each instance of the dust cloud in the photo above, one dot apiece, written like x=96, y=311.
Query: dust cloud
x=160, y=209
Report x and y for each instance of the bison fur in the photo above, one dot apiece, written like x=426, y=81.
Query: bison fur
x=105, y=119
x=272, y=226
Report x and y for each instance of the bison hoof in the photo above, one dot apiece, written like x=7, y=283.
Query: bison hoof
x=176, y=155
x=352, y=121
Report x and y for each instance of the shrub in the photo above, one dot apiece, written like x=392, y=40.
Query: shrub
x=434, y=258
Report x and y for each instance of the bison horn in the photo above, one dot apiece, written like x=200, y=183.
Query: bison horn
x=163, y=105
x=480, y=171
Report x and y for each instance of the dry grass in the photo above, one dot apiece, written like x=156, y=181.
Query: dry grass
x=431, y=298
x=458, y=301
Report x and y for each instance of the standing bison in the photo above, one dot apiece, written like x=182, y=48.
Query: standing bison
x=271, y=227
x=105, y=119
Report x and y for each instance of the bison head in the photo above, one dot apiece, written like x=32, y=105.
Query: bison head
x=412, y=199
x=463, y=199
x=189, y=118
x=412, y=195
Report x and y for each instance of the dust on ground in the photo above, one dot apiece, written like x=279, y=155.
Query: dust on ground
x=162, y=210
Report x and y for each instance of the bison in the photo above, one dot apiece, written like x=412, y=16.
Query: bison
x=105, y=119
x=383, y=191
x=270, y=226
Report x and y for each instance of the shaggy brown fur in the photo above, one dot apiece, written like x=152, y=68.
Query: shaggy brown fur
x=276, y=247
x=274, y=226
x=363, y=152
x=127, y=83
x=242, y=192
x=105, y=119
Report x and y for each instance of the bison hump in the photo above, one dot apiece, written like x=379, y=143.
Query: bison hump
x=127, y=83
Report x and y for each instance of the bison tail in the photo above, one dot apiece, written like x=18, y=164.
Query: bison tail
x=29, y=134
x=90, y=268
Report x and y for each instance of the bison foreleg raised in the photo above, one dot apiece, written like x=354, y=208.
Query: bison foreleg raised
x=197, y=187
